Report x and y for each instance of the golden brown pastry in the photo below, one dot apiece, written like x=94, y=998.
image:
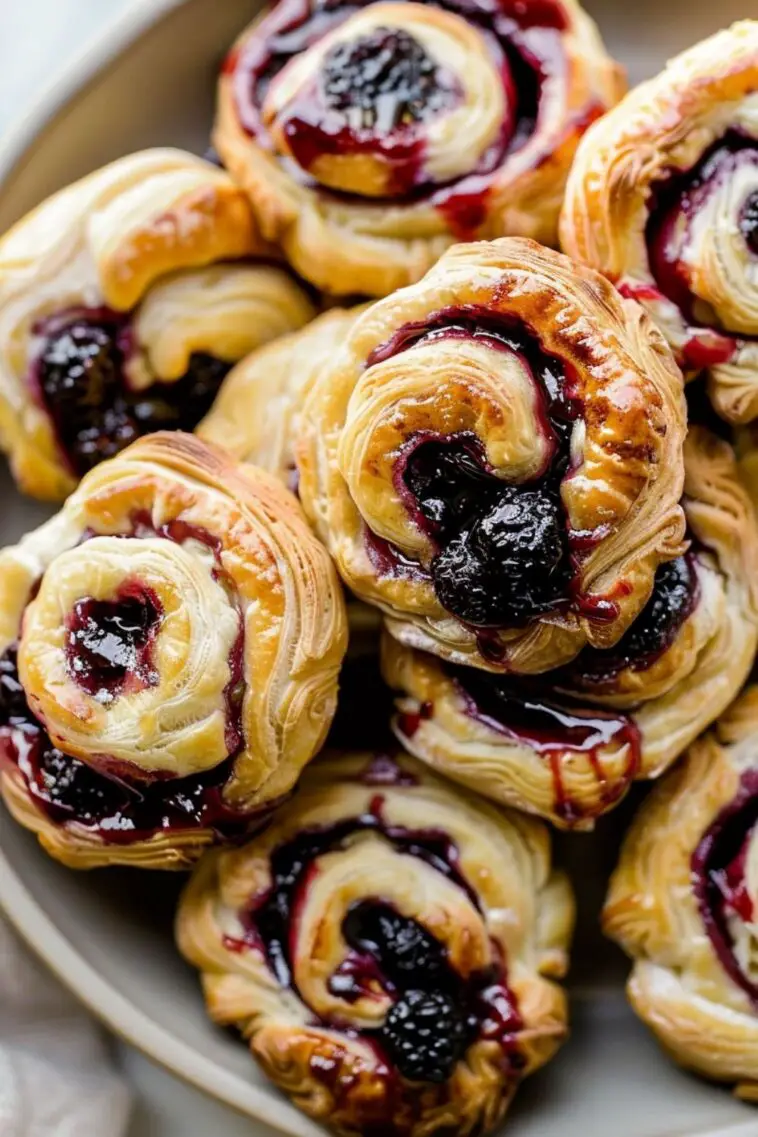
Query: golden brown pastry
x=170, y=647
x=683, y=903
x=568, y=744
x=256, y=410
x=387, y=948
x=370, y=137
x=123, y=304
x=494, y=458
x=663, y=199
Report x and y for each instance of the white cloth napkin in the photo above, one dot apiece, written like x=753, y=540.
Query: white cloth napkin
x=56, y=1076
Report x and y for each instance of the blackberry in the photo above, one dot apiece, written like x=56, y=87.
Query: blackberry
x=449, y=483
x=408, y=955
x=72, y=788
x=13, y=706
x=426, y=1035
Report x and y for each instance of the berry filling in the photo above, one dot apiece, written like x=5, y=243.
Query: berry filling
x=387, y=82
x=673, y=599
x=109, y=643
x=108, y=653
x=502, y=551
x=80, y=376
x=676, y=204
x=719, y=878
x=435, y=1014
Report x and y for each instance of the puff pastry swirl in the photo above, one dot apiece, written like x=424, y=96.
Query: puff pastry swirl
x=170, y=647
x=124, y=302
x=568, y=745
x=370, y=136
x=683, y=902
x=386, y=947
x=494, y=458
x=663, y=199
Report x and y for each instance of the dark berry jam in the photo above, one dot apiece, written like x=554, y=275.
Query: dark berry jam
x=80, y=376
x=719, y=878
x=749, y=222
x=109, y=643
x=526, y=712
x=503, y=552
x=436, y=1013
x=392, y=83
x=676, y=201
x=673, y=599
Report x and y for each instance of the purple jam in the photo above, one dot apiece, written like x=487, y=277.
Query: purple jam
x=502, y=550
x=676, y=201
x=387, y=85
x=110, y=641
x=80, y=378
x=673, y=599
x=718, y=873
x=526, y=712
x=435, y=1014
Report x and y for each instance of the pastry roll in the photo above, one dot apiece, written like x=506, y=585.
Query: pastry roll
x=663, y=199
x=124, y=301
x=683, y=903
x=371, y=136
x=568, y=744
x=170, y=648
x=387, y=948
x=254, y=417
x=494, y=458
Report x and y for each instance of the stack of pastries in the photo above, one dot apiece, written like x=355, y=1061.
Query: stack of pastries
x=522, y=481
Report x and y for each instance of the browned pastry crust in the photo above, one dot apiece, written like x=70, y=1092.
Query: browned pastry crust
x=662, y=198
x=237, y=676
x=466, y=159
x=145, y=242
x=501, y=912
x=681, y=903
x=434, y=362
x=569, y=746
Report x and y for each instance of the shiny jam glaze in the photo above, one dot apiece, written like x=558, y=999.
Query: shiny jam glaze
x=718, y=876
x=524, y=40
x=503, y=554
x=528, y=713
x=676, y=201
x=435, y=1013
x=109, y=654
x=80, y=377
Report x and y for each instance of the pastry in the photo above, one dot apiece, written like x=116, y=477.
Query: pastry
x=494, y=458
x=387, y=947
x=121, y=312
x=663, y=199
x=371, y=136
x=568, y=744
x=683, y=899
x=170, y=648
x=255, y=413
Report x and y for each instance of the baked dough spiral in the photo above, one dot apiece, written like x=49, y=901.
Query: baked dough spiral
x=370, y=136
x=255, y=415
x=683, y=899
x=663, y=199
x=568, y=745
x=385, y=948
x=124, y=302
x=170, y=648
x=494, y=458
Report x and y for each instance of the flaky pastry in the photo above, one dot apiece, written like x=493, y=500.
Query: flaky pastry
x=683, y=903
x=663, y=199
x=370, y=136
x=169, y=649
x=124, y=301
x=387, y=948
x=494, y=458
x=568, y=744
